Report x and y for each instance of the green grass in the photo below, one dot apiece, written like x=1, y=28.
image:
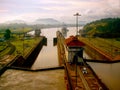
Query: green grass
x=22, y=45
x=3, y=45
x=5, y=52
x=109, y=46
x=21, y=30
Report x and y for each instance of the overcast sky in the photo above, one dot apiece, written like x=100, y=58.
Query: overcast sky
x=62, y=10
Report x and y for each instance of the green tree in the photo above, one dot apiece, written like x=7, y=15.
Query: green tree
x=106, y=28
x=7, y=34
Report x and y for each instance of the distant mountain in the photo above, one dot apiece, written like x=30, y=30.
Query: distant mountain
x=50, y=21
x=15, y=22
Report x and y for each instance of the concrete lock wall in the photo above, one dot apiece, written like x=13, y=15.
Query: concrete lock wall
x=29, y=59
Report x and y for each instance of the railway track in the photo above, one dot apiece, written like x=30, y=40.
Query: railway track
x=83, y=79
x=90, y=81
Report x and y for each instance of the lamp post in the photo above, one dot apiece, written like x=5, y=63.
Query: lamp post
x=77, y=14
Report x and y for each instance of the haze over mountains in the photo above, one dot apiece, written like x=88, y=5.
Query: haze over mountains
x=45, y=21
x=50, y=21
x=38, y=21
x=15, y=21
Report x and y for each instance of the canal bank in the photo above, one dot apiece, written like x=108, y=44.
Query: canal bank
x=20, y=61
x=94, y=52
x=4, y=62
x=30, y=57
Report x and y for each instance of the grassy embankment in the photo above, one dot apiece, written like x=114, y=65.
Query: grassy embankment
x=22, y=44
x=104, y=34
x=4, y=49
x=108, y=46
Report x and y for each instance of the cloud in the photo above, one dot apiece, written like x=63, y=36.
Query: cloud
x=114, y=3
x=3, y=10
x=59, y=9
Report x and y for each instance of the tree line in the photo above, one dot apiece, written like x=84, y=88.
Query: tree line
x=105, y=28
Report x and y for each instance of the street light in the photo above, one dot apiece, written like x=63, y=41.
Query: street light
x=77, y=14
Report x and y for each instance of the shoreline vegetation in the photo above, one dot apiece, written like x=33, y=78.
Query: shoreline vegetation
x=110, y=47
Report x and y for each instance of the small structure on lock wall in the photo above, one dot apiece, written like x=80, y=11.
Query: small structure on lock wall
x=37, y=32
x=75, y=49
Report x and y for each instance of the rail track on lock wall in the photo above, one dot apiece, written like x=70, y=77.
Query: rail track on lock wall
x=74, y=77
x=82, y=81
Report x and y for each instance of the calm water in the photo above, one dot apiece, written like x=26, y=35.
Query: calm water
x=54, y=80
x=48, y=55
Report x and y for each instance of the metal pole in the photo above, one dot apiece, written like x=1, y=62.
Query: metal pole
x=77, y=14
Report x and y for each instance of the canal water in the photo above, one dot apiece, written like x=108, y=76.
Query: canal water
x=108, y=73
x=47, y=58
x=54, y=79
